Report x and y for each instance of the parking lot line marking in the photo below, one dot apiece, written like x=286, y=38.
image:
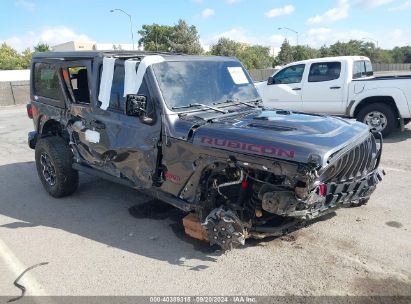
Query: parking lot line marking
x=397, y=170
x=16, y=268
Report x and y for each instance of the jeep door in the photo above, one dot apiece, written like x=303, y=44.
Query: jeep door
x=127, y=146
x=77, y=75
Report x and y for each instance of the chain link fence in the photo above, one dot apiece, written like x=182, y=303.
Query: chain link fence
x=261, y=74
x=386, y=67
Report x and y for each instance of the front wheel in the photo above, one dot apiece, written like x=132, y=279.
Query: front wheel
x=379, y=117
x=54, y=166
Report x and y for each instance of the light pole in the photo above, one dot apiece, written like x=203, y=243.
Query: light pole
x=131, y=22
x=373, y=40
x=289, y=29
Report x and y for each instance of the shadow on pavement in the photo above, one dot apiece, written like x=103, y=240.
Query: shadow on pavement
x=398, y=136
x=385, y=287
x=99, y=210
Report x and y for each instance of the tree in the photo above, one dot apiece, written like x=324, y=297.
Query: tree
x=251, y=56
x=25, y=59
x=255, y=57
x=42, y=47
x=9, y=58
x=324, y=51
x=401, y=54
x=301, y=52
x=185, y=39
x=286, y=53
x=155, y=37
x=226, y=47
x=180, y=38
x=359, y=48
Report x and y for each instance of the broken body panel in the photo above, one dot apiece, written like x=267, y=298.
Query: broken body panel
x=240, y=167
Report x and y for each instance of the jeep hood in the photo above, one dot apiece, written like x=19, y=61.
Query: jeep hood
x=293, y=136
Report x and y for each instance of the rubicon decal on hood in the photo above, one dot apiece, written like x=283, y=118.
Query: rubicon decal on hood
x=253, y=148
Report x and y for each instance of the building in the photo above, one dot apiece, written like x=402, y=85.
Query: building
x=75, y=46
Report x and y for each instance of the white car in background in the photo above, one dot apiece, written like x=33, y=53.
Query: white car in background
x=342, y=86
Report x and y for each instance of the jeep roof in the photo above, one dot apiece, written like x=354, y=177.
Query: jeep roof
x=122, y=55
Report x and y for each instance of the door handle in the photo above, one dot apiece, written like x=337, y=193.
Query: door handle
x=97, y=124
x=297, y=89
x=335, y=88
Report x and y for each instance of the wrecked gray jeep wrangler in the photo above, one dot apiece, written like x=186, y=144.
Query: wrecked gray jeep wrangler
x=192, y=131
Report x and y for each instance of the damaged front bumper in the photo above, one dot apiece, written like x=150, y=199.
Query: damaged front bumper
x=350, y=192
x=339, y=194
x=329, y=194
x=336, y=196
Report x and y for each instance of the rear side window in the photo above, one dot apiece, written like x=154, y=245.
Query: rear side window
x=292, y=74
x=362, y=68
x=46, y=81
x=324, y=71
x=358, y=69
x=368, y=68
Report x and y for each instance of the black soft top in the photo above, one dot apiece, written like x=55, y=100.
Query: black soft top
x=77, y=55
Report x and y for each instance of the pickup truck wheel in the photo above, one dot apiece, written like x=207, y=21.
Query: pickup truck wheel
x=54, y=166
x=379, y=117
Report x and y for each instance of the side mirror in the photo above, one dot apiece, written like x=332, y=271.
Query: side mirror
x=136, y=105
x=270, y=80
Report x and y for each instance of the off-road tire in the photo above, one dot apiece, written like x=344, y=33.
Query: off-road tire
x=59, y=155
x=386, y=110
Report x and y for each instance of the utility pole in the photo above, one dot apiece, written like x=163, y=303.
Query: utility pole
x=131, y=22
x=373, y=40
x=289, y=29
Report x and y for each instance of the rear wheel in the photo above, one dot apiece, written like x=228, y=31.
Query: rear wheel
x=54, y=166
x=379, y=117
x=407, y=121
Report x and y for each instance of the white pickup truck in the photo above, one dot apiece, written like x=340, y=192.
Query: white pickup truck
x=342, y=86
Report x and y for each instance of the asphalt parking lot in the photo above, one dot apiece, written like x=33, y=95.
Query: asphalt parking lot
x=93, y=245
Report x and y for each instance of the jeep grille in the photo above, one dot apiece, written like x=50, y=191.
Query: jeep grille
x=354, y=163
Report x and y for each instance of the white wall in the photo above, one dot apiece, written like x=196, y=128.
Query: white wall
x=14, y=75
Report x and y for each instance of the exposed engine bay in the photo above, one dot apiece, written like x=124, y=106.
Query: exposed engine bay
x=239, y=200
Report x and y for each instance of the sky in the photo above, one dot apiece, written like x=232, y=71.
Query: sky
x=24, y=23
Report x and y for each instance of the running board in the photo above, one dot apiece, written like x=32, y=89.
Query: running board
x=103, y=175
x=169, y=199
